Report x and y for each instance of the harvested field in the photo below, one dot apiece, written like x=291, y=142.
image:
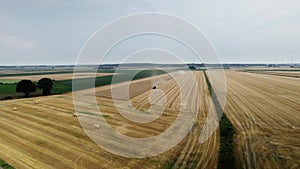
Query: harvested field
x=264, y=68
x=45, y=134
x=295, y=74
x=64, y=76
x=134, y=88
x=265, y=113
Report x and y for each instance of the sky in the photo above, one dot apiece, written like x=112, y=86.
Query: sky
x=242, y=31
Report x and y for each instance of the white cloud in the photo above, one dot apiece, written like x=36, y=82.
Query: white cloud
x=14, y=42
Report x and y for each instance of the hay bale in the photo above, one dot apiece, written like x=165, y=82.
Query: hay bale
x=96, y=126
x=15, y=108
x=165, y=113
x=36, y=102
x=75, y=114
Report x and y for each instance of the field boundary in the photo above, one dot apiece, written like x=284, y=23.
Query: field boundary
x=226, y=157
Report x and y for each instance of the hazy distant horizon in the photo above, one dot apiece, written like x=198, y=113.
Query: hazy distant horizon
x=284, y=64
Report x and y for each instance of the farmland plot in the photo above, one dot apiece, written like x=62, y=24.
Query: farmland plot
x=63, y=76
x=265, y=113
x=42, y=132
x=291, y=73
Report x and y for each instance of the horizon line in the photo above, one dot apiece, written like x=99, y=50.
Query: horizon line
x=228, y=63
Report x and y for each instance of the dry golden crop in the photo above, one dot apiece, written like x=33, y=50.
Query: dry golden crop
x=43, y=132
x=281, y=73
x=265, y=111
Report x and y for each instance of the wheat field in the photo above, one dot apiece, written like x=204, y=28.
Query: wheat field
x=265, y=111
x=43, y=133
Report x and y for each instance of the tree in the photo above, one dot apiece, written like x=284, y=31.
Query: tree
x=26, y=87
x=46, y=85
x=192, y=67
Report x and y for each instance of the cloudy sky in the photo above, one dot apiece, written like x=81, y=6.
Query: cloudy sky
x=242, y=31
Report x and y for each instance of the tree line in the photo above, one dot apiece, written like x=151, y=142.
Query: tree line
x=27, y=86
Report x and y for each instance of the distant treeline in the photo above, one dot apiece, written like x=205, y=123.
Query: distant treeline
x=112, y=66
